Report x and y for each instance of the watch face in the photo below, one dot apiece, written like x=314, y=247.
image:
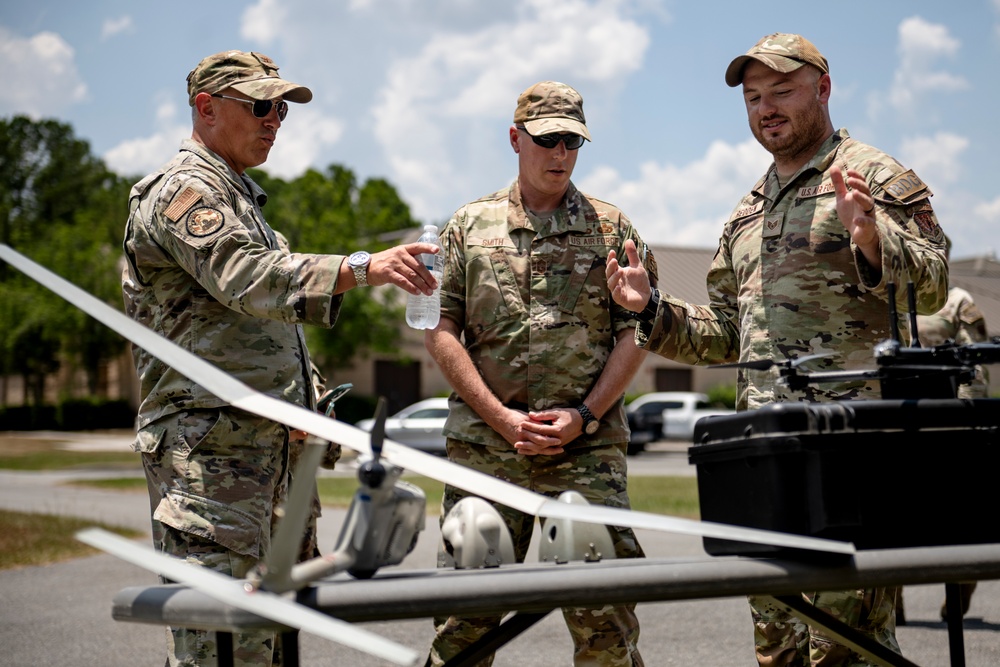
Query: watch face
x=591, y=427
x=360, y=258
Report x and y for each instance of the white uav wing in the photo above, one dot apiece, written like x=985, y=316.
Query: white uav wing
x=243, y=397
x=234, y=592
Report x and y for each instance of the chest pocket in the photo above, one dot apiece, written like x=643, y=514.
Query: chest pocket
x=574, y=298
x=493, y=294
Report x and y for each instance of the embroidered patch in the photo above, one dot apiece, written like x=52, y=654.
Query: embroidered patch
x=772, y=225
x=815, y=190
x=748, y=210
x=606, y=227
x=204, y=221
x=588, y=241
x=904, y=186
x=491, y=243
x=181, y=203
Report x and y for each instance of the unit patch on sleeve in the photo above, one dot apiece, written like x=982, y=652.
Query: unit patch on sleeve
x=204, y=221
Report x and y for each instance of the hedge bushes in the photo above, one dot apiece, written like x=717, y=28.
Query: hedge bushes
x=74, y=414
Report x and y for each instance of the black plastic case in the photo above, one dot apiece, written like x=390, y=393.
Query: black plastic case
x=881, y=474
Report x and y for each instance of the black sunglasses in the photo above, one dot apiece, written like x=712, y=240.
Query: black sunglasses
x=260, y=108
x=572, y=141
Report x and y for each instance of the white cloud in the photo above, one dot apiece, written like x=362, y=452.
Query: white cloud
x=300, y=143
x=936, y=158
x=112, y=27
x=461, y=78
x=921, y=45
x=687, y=204
x=140, y=156
x=990, y=210
x=40, y=74
x=263, y=21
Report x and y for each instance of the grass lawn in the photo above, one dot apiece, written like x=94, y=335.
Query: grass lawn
x=35, y=539
x=676, y=496
x=40, y=539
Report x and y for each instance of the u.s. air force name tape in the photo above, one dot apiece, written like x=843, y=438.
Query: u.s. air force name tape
x=243, y=397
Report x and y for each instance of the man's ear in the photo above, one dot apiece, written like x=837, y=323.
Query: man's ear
x=514, y=138
x=205, y=106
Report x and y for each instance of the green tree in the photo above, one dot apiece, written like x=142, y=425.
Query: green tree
x=329, y=213
x=62, y=207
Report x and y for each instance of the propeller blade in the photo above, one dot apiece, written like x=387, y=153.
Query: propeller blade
x=764, y=364
x=756, y=365
x=262, y=603
x=243, y=397
x=378, y=429
x=287, y=538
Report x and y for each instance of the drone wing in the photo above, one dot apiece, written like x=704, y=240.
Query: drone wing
x=262, y=603
x=243, y=397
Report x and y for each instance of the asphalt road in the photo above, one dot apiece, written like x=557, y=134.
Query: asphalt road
x=60, y=614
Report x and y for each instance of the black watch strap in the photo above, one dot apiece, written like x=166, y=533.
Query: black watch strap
x=648, y=314
x=590, y=422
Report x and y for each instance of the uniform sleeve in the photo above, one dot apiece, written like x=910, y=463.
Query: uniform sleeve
x=623, y=318
x=699, y=334
x=912, y=242
x=239, y=260
x=453, y=283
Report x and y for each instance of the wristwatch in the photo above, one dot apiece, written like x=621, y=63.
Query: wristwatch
x=359, y=262
x=590, y=422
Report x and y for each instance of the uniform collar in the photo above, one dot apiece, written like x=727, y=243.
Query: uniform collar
x=571, y=215
x=244, y=182
x=819, y=163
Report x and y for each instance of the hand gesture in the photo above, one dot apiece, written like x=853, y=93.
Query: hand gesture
x=856, y=210
x=629, y=285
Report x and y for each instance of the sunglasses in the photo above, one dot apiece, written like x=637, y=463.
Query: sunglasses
x=260, y=108
x=572, y=141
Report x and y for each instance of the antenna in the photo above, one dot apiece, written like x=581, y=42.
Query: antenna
x=911, y=301
x=893, y=313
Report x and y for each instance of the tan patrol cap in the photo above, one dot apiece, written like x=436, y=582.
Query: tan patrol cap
x=781, y=52
x=550, y=106
x=252, y=74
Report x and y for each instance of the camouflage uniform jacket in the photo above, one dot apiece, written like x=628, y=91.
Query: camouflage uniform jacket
x=961, y=321
x=532, y=301
x=787, y=280
x=205, y=270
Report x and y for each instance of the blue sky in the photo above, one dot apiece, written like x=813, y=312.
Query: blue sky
x=421, y=92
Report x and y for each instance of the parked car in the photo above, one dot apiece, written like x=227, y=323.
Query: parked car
x=645, y=418
x=679, y=418
x=419, y=425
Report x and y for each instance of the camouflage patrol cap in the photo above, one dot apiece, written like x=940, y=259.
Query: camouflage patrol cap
x=252, y=74
x=550, y=106
x=781, y=52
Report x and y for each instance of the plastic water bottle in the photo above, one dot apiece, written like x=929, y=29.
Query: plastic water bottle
x=424, y=312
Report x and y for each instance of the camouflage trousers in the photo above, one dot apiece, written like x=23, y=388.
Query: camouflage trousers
x=215, y=477
x=782, y=639
x=607, y=636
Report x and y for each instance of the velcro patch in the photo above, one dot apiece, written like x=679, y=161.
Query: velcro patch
x=748, y=210
x=502, y=242
x=905, y=186
x=205, y=221
x=181, y=203
x=590, y=241
x=815, y=190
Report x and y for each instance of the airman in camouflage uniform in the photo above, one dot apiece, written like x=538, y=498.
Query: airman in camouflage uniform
x=543, y=348
x=802, y=268
x=206, y=270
